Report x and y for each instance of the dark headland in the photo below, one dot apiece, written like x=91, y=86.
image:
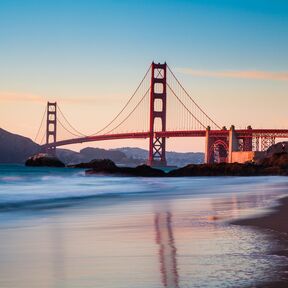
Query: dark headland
x=274, y=165
x=277, y=164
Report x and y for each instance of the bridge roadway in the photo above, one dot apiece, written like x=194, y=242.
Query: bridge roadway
x=241, y=133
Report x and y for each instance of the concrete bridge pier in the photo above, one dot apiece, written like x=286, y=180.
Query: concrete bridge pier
x=207, y=145
x=233, y=143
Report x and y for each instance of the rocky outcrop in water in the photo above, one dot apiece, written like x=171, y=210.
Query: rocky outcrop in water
x=279, y=147
x=97, y=165
x=279, y=160
x=274, y=165
x=221, y=169
x=106, y=166
x=44, y=160
x=142, y=171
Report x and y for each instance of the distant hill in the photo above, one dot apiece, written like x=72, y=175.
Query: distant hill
x=16, y=149
x=89, y=153
x=173, y=158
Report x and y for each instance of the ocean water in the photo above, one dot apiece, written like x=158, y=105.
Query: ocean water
x=60, y=228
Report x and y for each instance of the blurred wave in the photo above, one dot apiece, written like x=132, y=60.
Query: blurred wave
x=45, y=188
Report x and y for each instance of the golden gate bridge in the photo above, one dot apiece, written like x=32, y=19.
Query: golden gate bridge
x=160, y=108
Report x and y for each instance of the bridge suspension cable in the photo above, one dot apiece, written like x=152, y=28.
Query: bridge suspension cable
x=182, y=112
x=187, y=109
x=124, y=107
x=133, y=108
x=193, y=101
x=123, y=121
x=66, y=129
x=41, y=123
x=70, y=125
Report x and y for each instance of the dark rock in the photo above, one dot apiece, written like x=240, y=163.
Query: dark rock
x=221, y=169
x=44, y=160
x=276, y=160
x=277, y=148
x=142, y=171
x=275, y=165
x=98, y=165
x=274, y=170
x=106, y=166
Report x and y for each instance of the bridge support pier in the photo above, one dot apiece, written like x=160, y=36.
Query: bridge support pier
x=233, y=143
x=248, y=141
x=51, y=128
x=157, y=145
x=207, y=145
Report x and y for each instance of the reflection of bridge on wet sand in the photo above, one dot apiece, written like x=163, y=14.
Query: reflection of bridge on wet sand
x=140, y=250
x=167, y=249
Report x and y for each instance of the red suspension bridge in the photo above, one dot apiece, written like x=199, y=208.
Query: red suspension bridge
x=161, y=108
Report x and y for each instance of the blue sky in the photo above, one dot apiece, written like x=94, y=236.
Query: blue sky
x=101, y=49
x=203, y=33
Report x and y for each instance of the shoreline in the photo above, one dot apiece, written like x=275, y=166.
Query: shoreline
x=275, y=224
x=275, y=165
x=145, y=220
x=275, y=220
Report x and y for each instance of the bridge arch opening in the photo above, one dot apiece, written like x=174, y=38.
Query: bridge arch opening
x=218, y=152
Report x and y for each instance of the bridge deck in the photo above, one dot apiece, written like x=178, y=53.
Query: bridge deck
x=277, y=133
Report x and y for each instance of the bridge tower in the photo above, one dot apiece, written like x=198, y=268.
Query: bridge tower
x=51, y=127
x=157, y=145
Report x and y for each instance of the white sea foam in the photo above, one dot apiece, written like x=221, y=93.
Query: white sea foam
x=22, y=184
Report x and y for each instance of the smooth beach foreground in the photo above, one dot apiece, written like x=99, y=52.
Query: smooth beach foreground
x=64, y=229
x=274, y=221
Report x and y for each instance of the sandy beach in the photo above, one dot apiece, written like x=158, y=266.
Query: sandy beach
x=68, y=230
x=142, y=243
x=275, y=223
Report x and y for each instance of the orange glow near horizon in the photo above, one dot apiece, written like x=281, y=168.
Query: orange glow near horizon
x=230, y=101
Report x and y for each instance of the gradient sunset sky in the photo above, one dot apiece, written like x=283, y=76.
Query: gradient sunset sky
x=89, y=56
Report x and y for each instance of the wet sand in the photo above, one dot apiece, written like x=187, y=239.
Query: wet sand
x=68, y=230
x=276, y=220
x=274, y=223
x=139, y=243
